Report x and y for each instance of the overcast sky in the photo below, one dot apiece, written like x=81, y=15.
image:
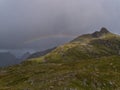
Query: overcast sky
x=46, y=23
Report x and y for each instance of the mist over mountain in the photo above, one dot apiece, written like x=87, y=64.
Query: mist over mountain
x=42, y=24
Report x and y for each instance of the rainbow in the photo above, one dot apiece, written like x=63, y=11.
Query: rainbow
x=49, y=36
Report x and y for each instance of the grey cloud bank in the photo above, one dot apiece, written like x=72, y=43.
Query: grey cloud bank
x=29, y=20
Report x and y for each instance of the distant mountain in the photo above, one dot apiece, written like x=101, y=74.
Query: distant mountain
x=25, y=56
x=6, y=59
x=41, y=53
x=89, y=62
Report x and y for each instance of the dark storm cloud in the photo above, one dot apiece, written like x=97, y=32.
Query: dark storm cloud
x=22, y=21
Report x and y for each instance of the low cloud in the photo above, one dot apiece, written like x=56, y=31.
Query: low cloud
x=29, y=20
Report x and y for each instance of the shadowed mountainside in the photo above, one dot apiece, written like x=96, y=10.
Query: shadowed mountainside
x=41, y=53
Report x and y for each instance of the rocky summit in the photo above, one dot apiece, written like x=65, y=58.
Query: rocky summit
x=100, y=33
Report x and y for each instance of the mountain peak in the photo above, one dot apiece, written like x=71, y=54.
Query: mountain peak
x=100, y=33
x=97, y=34
x=104, y=30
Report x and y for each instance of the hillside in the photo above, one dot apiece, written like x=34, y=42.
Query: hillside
x=95, y=45
x=89, y=62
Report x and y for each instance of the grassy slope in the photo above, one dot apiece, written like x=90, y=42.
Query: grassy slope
x=101, y=74
x=91, y=48
x=78, y=65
